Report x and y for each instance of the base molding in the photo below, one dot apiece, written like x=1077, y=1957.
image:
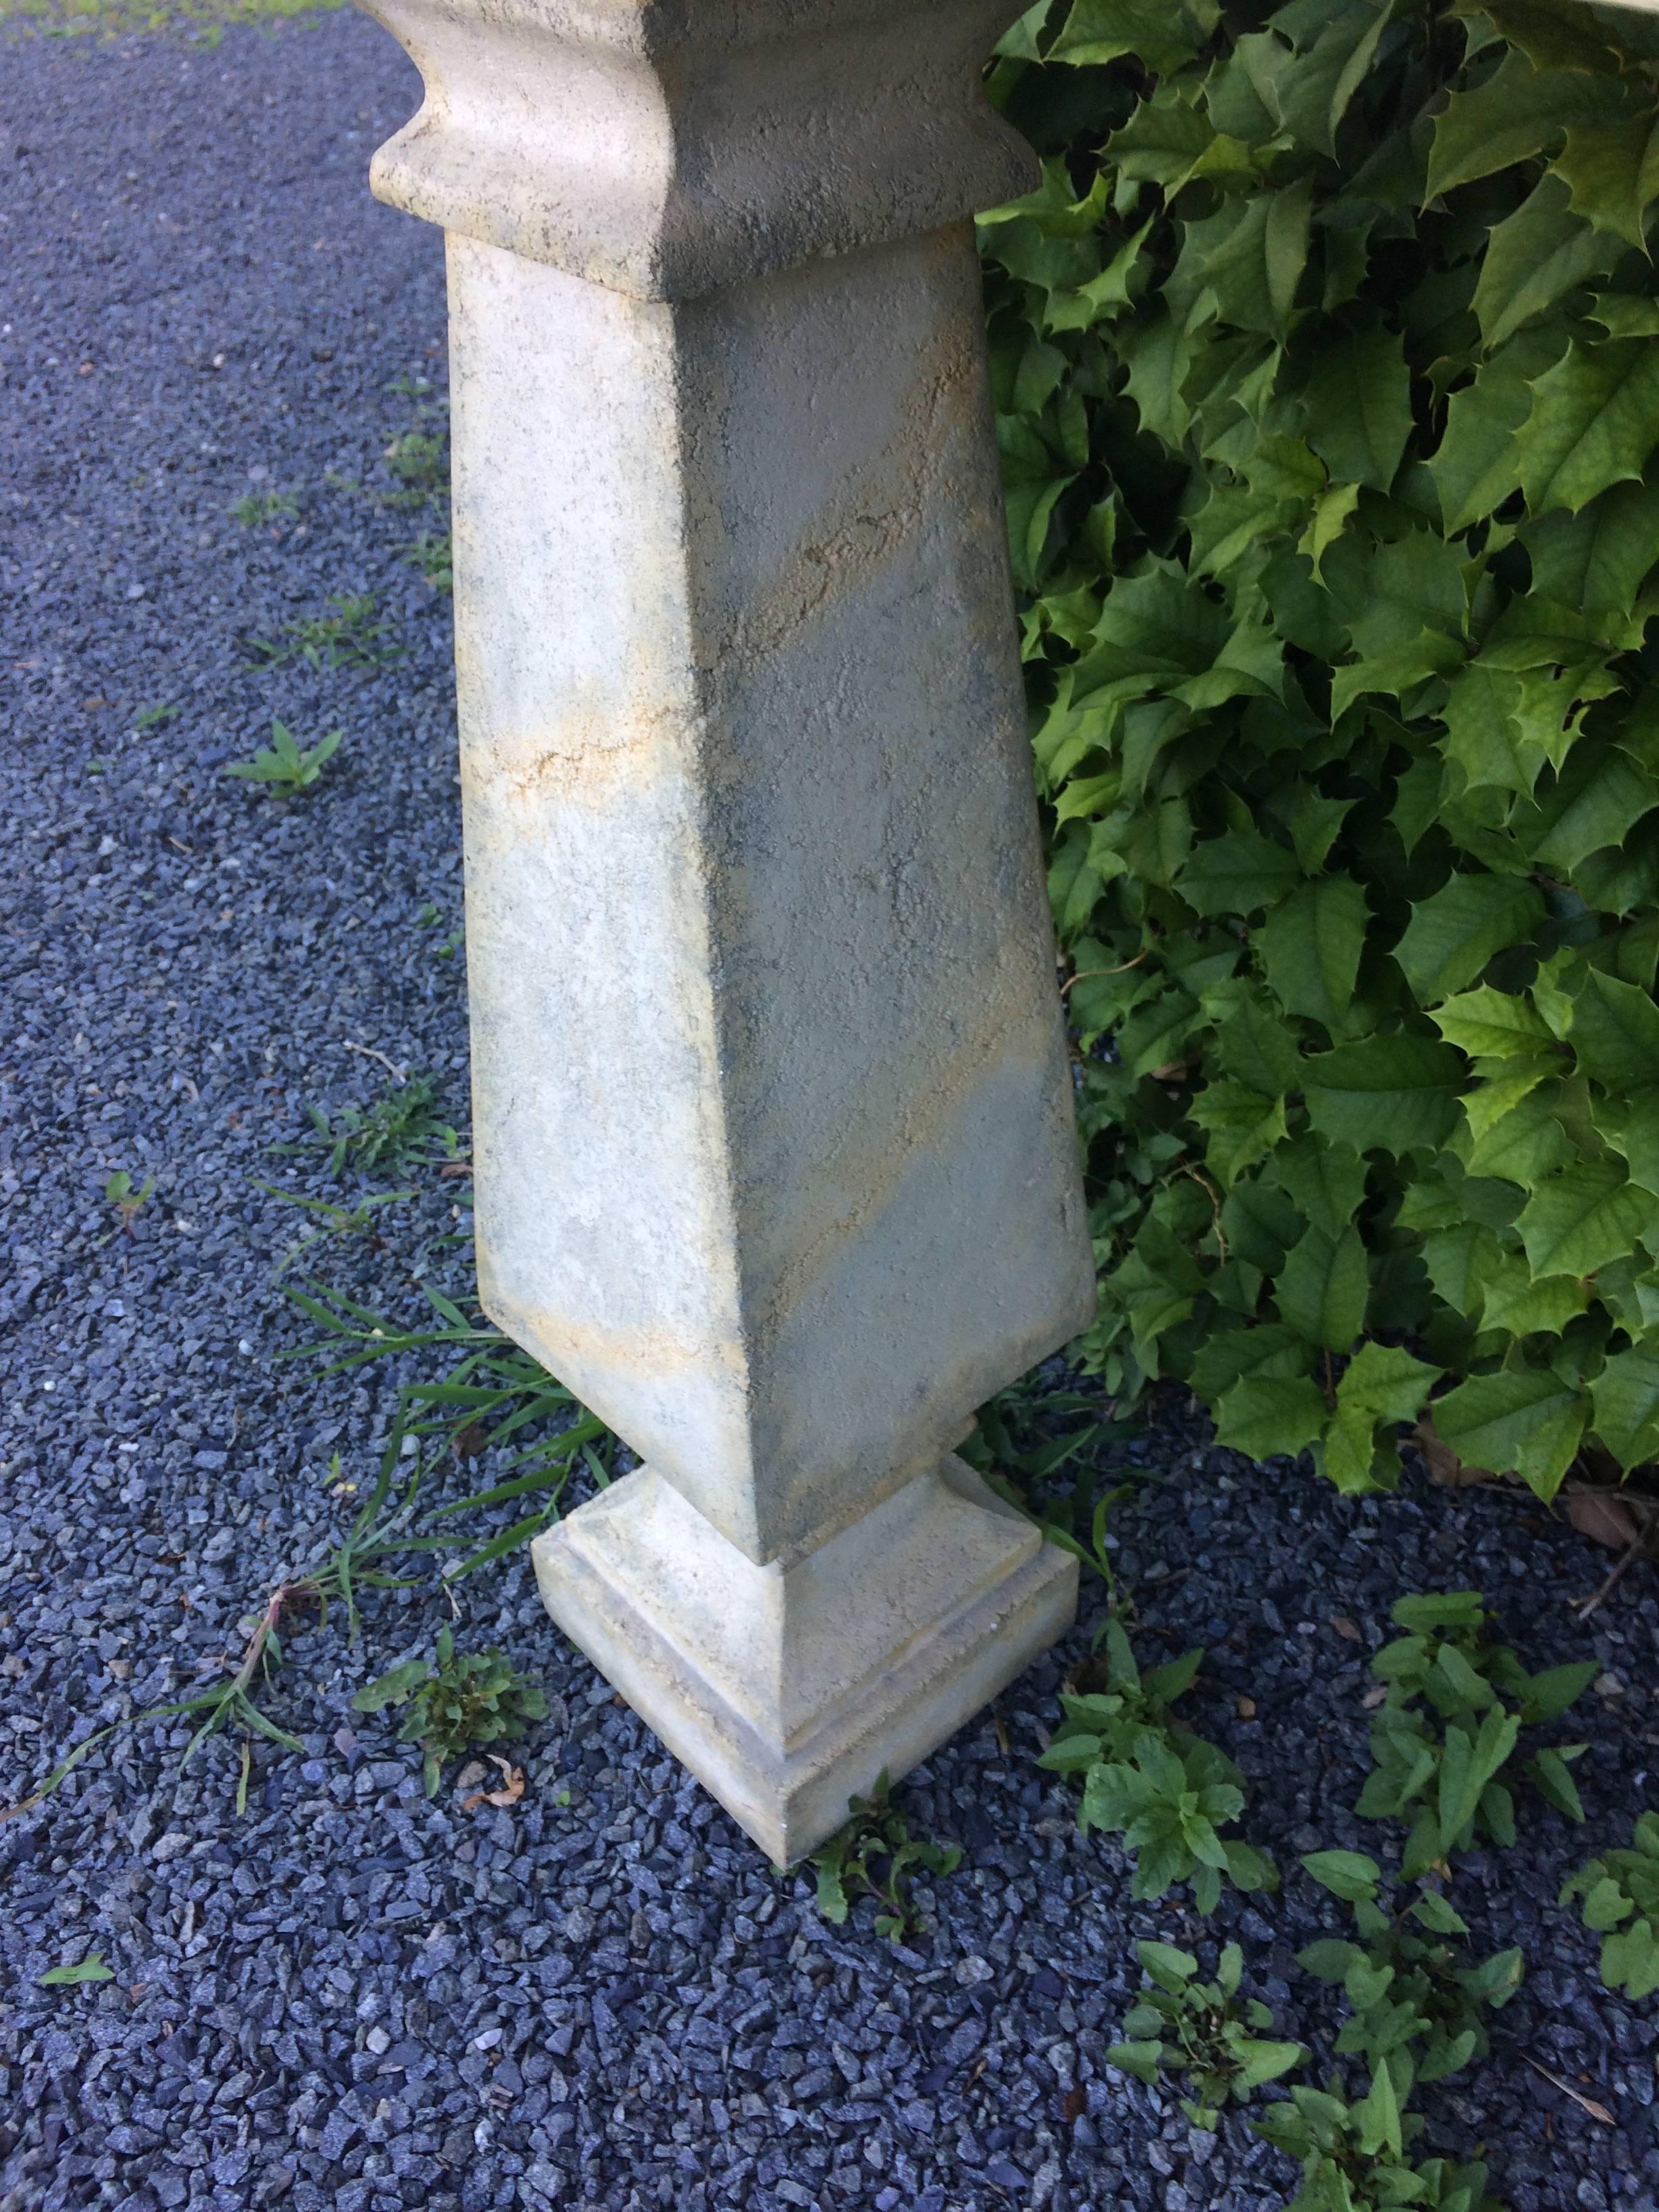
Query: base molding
x=788, y=1690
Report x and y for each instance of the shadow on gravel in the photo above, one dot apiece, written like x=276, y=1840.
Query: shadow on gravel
x=599, y=1994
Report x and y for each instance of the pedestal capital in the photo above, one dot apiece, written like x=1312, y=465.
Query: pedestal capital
x=666, y=148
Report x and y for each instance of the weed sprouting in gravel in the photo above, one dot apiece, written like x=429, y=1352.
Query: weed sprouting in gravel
x=399, y=1131
x=876, y=1856
x=432, y=553
x=495, y=1395
x=1444, y=1738
x=1199, y=2030
x=1146, y=1777
x=332, y=1221
x=92, y=1968
x=350, y=637
x=419, y=460
x=1621, y=1895
x=154, y=718
x=284, y=767
x=257, y=509
x=127, y=1203
x=465, y=1698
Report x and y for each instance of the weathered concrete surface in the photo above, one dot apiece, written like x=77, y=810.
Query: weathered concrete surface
x=788, y=1689
x=775, y=1162
x=666, y=148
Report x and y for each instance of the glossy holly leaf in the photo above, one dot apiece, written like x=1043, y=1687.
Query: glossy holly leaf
x=1381, y=1387
x=1534, y=256
x=1322, y=1287
x=1583, y=1217
x=1455, y=932
x=1254, y=268
x=1476, y=466
x=1614, y=1033
x=1309, y=948
x=1358, y=407
x=1154, y=31
x=1612, y=169
x=1599, y=796
x=1325, y=1181
x=1625, y=1397
x=1601, y=557
x=1162, y=142
x=1266, y=1416
x=1524, y=1421
x=1515, y=114
x=1393, y=1094
x=1593, y=422
x=1492, y=1024
x=1240, y=871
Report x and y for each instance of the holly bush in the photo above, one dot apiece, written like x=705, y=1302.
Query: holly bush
x=1326, y=366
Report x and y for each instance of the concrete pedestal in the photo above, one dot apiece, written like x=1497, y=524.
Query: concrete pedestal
x=775, y=1162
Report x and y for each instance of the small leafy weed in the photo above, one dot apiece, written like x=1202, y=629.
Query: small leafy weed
x=1447, y=1732
x=401, y=1131
x=127, y=1202
x=1415, y=2004
x=419, y=460
x=284, y=767
x=90, y=1969
x=1620, y=1893
x=1354, y=2157
x=432, y=553
x=1149, y=1779
x=153, y=718
x=476, y=1698
x=260, y=508
x=1200, y=2031
x=350, y=637
x=876, y=1856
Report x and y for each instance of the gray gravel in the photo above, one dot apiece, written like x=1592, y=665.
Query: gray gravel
x=351, y=1998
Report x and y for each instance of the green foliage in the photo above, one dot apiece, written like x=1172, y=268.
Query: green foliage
x=1417, y=2010
x=92, y=1968
x=1621, y=1895
x=128, y=1203
x=1446, y=1734
x=474, y=1697
x=1355, y=2158
x=1146, y=1778
x=433, y=552
x=1016, y=1448
x=419, y=461
x=285, y=768
x=1327, y=367
x=876, y=1856
x=331, y=1221
x=1199, y=2030
x=403, y=1130
x=155, y=717
x=349, y=638
x=257, y=509
x=495, y=1396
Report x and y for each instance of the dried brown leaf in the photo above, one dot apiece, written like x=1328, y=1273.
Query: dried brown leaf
x=511, y=1791
x=1604, y=1520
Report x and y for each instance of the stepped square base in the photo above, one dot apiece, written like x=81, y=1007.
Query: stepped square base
x=790, y=1688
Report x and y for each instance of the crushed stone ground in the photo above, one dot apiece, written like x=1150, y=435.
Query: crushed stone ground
x=353, y=1999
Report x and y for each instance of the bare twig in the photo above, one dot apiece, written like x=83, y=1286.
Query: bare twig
x=1625, y=1560
x=1084, y=974
x=399, y=1075
x=1585, y=2104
